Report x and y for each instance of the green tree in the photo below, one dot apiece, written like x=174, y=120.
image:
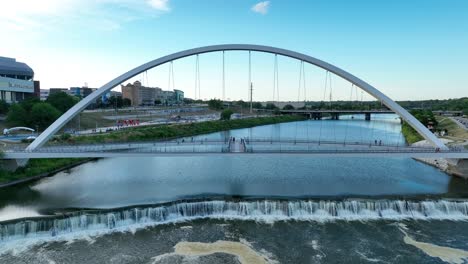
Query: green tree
x=226, y=114
x=43, y=114
x=126, y=102
x=116, y=102
x=4, y=106
x=62, y=101
x=17, y=116
x=158, y=102
x=288, y=107
x=27, y=104
x=257, y=105
x=270, y=106
x=215, y=104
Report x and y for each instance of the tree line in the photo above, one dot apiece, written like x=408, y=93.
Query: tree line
x=38, y=114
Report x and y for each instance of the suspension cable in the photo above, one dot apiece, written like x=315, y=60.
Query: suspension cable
x=300, y=82
x=196, y=77
x=172, y=72
x=250, y=81
x=304, y=82
x=275, y=72
x=324, y=98
x=169, y=78
x=347, y=121
x=277, y=78
x=224, y=80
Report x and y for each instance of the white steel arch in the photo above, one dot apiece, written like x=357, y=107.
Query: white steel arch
x=76, y=109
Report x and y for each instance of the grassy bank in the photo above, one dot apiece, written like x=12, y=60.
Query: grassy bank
x=37, y=167
x=162, y=132
x=453, y=129
x=410, y=134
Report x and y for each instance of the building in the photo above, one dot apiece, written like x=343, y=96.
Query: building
x=16, y=80
x=140, y=95
x=56, y=90
x=167, y=97
x=37, y=89
x=44, y=94
x=105, y=97
x=179, y=96
x=80, y=92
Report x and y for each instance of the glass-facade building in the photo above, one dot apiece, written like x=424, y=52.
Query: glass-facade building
x=16, y=80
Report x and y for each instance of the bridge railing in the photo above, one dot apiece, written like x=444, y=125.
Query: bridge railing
x=329, y=142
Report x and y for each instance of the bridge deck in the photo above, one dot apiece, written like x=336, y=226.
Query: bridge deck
x=237, y=147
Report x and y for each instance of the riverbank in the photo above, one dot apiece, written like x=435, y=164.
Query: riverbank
x=39, y=168
x=411, y=135
x=166, y=132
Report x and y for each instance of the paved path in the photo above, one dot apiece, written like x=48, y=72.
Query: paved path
x=457, y=121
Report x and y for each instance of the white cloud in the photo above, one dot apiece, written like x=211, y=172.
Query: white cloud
x=261, y=7
x=35, y=15
x=162, y=5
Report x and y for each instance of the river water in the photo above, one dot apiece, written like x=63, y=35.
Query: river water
x=231, y=209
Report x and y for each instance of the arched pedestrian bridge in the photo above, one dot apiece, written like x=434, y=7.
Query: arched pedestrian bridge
x=37, y=148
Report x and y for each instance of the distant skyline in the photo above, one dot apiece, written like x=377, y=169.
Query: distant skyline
x=410, y=50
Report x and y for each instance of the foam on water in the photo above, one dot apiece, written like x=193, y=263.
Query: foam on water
x=446, y=254
x=85, y=225
x=11, y=212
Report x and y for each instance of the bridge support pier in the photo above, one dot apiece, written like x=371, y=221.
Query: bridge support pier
x=12, y=164
x=335, y=116
x=368, y=116
x=316, y=116
x=459, y=168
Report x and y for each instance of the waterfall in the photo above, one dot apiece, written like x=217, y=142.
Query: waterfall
x=256, y=210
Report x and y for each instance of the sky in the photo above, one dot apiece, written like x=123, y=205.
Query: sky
x=409, y=50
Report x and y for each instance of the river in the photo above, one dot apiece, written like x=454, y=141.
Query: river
x=231, y=209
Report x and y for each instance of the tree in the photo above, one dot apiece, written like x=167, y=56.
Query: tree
x=270, y=106
x=188, y=101
x=257, y=105
x=126, y=102
x=226, y=114
x=116, y=101
x=157, y=102
x=17, y=116
x=28, y=103
x=43, y=114
x=215, y=104
x=4, y=106
x=288, y=107
x=62, y=101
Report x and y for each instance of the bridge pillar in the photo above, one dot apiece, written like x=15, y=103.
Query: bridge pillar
x=368, y=116
x=459, y=168
x=317, y=116
x=11, y=164
x=335, y=116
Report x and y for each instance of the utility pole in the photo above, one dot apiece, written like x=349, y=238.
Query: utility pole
x=251, y=93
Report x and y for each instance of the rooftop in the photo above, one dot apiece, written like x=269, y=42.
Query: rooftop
x=10, y=66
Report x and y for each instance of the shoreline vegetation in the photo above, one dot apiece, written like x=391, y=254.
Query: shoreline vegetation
x=410, y=134
x=39, y=168
x=167, y=132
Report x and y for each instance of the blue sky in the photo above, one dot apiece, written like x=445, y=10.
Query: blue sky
x=407, y=49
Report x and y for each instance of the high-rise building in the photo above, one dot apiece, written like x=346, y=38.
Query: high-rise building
x=16, y=80
x=140, y=95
